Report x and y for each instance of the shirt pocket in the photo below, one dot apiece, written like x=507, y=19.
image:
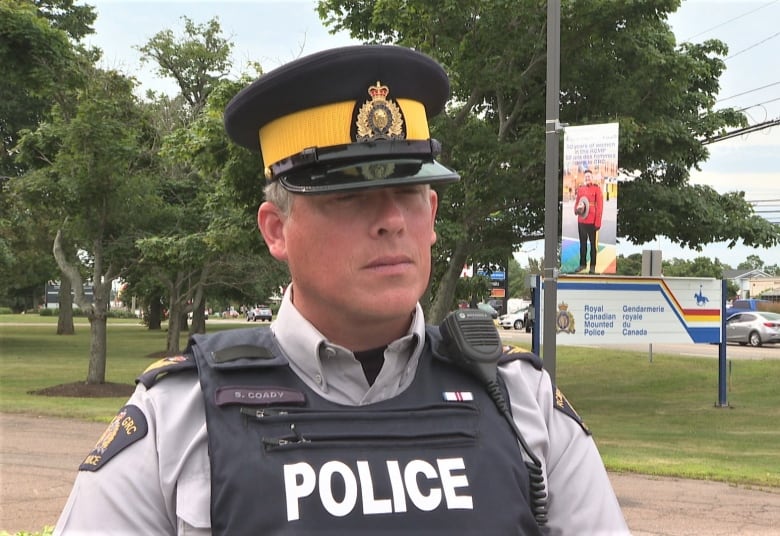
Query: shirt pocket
x=193, y=507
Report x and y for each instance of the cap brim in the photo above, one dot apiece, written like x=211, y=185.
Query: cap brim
x=367, y=174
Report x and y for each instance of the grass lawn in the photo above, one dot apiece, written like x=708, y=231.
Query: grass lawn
x=661, y=418
x=656, y=417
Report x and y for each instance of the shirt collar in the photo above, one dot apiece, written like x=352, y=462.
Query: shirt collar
x=307, y=350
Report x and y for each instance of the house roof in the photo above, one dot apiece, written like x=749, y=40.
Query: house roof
x=752, y=273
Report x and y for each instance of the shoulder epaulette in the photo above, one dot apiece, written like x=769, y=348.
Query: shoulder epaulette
x=517, y=352
x=559, y=400
x=562, y=404
x=165, y=366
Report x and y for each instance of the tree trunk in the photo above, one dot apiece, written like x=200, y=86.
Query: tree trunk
x=174, y=328
x=155, y=313
x=98, y=319
x=445, y=293
x=65, y=317
x=198, y=324
x=97, y=349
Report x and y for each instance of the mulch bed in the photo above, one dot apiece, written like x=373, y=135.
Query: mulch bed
x=87, y=390
x=93, y=390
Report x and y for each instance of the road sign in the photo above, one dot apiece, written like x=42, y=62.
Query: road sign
x=615, y=309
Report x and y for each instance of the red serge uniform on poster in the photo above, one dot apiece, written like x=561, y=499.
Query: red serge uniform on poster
x=589, y=199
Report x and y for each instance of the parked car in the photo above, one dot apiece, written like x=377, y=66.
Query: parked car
x=261, y=312
x=754, y=328
x=498, y=305
x=748, y=304
x=514, y=320
x=529, y=318
x=488, y=309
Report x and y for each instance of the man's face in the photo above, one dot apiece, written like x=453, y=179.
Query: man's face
x=588, y=177
x=355, y=258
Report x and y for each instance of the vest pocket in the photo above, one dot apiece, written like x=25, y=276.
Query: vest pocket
x=431, y=426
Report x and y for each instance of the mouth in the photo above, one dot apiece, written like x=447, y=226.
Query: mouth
x=390, y=263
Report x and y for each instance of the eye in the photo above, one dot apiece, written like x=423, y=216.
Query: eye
x=410, y=190
x=346, y=198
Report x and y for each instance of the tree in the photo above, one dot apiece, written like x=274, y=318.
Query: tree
x=620, y=63
x=197, y=61
x=174, y=255
x=753, y=262
x=37, y=59
x=99, y=166
x=631, y=265
x=41, y=64
x=517, y=283
x=209, y=244
x=698, y=267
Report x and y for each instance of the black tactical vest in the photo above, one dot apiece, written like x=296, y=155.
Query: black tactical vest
x=436, y=459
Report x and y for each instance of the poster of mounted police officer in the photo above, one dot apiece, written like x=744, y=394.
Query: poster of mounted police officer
x=589, y=199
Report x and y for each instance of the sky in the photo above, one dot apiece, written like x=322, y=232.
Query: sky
x=275, y=32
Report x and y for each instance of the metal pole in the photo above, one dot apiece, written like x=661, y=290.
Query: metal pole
x=722, y=396
x=552, y=127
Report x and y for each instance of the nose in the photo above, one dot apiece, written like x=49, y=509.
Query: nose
x=388, y=213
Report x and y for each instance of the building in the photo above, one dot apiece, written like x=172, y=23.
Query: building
x=744, y=280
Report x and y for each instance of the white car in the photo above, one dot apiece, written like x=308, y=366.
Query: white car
x=514, y=320
x=261, y=312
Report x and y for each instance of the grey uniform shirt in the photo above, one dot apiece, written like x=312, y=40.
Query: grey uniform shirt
x=161, y=483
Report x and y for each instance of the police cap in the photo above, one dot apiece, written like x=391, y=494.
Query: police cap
x=345, y=119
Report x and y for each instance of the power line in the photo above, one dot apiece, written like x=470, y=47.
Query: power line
x=728, y=21
x=741, y=131
x=749, y=91
x=758, y=104
x=732, y=19
x=754, y=45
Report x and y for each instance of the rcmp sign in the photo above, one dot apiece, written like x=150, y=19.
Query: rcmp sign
x=619, y=310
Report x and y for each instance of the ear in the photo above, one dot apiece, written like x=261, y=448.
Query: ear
x=434, y=207
x=270, y=221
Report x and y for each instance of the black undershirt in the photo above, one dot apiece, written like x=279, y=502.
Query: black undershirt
x=371, y=361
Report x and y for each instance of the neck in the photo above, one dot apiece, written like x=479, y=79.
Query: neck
x=366, y=334
x=354, y=331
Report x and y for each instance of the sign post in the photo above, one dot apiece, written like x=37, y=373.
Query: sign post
x=722, y=397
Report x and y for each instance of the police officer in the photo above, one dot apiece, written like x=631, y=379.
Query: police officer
x=589, y=207
x=348, y=415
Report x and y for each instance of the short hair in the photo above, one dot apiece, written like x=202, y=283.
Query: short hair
x=276, y=194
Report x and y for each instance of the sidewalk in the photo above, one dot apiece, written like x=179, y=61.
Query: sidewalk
x=39, y=457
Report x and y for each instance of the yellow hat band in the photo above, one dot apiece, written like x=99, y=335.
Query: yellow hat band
x=328, y=125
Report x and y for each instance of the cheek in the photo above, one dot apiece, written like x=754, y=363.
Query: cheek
x=312, y=250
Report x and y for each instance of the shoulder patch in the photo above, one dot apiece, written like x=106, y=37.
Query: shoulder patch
x=512, y=352
x=562, y=404
x=127, y=427
x=163, y=366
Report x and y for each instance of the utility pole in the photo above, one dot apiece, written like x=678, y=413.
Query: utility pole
x=552, y=130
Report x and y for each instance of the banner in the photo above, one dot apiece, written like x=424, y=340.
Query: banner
x=589, y=199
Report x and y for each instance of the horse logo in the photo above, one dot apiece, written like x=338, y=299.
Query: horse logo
x=701, y=299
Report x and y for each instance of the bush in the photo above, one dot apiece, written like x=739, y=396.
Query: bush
x=6, y=311
x=47, y=531
x=120, y=313
x=46, y=312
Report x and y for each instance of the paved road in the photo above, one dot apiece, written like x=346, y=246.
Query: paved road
x=733, y=351
x=38, y=458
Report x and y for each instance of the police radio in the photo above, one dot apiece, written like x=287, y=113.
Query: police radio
x=473, y=344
